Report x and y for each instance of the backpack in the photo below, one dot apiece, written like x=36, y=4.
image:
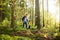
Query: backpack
x=23, y=18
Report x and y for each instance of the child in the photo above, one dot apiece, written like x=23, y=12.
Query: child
x=29, y=23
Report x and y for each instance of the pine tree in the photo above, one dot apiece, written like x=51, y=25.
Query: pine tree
x=37, y=14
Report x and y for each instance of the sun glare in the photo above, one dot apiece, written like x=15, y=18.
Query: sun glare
x=57, y=18
x=52, y=8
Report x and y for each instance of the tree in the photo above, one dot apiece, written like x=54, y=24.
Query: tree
x=12, y=4
x=59, y=15
x=43, y=11
x=37, y=14
x=2, y=9
x=58, y=2
x=0, y=15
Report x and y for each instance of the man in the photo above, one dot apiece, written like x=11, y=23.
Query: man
x=25, y=20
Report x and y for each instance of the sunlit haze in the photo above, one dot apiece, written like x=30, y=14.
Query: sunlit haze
x=52, y=8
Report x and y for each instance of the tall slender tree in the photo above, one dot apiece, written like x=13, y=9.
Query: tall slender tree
x=58, y=3
x=59, y=15
x=47, y=13
x=3, y=9
x=0, y=15
x=43, y=11
x=37, y=14
x=12, y=3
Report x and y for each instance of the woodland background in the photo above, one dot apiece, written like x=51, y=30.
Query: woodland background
x=45, y=21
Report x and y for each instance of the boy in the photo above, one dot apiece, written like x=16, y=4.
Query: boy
x=25, y=20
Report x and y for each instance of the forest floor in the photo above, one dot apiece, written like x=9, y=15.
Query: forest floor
x=34, y=34
x=31, y=33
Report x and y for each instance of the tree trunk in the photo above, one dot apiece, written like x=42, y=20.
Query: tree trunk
x=59, y=15
x=0, y=16
x=12, y=17
x=43, y=11
x=37, y=14
x=1, y=10
x=13, y=24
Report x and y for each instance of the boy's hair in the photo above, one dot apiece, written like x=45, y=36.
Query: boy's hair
x=26, y=14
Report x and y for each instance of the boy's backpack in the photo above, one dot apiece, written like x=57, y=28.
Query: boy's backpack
x=23, y=18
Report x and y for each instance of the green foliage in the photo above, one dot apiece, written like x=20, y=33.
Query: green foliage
x=4, y=9
x=50, y=31
x=7, y=37
x=5, y=22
